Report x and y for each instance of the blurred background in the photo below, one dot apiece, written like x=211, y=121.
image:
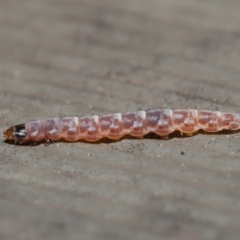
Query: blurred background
x=82, y=57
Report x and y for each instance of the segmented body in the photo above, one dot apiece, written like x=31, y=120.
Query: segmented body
x=114, y=126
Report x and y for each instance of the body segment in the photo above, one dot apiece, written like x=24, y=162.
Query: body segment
x=114, y=126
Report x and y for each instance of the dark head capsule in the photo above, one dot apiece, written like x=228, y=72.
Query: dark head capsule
x=17, y=132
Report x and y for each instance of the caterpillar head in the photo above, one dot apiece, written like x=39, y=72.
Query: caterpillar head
x=16, y=133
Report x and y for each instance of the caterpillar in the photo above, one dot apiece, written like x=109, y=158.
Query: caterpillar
x=114, y=126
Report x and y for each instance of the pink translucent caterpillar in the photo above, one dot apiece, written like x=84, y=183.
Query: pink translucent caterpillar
x=114, y=126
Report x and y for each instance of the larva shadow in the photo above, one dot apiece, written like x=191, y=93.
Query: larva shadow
x=12, y=142
x=179, y=134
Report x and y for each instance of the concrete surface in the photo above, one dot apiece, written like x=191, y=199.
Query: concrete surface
x=65, y=58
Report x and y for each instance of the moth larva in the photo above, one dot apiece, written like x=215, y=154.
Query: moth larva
x=114, y=126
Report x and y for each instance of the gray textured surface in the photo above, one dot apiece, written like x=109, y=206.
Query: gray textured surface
x=65, y=58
